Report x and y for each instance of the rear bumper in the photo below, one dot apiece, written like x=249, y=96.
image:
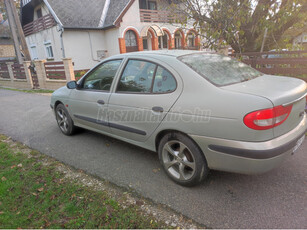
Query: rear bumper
x=249, y=157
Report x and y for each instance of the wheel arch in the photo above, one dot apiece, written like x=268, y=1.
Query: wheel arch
x=57, y=103
x=162, y=133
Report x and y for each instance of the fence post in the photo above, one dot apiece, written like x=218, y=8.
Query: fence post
x=69, y=69
x=41, y=73
x=10, y=70
x=26, y=65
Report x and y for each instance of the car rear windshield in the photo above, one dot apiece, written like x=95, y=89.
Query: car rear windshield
x=218, y=69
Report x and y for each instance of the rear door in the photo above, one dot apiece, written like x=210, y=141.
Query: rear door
x=89, y=104
x=145, y=92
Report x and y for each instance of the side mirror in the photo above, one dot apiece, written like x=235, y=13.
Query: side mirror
x=72, y=85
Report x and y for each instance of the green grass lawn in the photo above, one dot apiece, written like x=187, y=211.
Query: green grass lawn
x=34, y=194
x=29, y=91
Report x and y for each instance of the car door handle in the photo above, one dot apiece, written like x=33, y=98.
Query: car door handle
x=101, y=102
x=157, y=109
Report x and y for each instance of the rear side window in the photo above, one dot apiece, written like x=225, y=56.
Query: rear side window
x=220, y=70
x=164, y=81
x=137, y=77
x=146, y=77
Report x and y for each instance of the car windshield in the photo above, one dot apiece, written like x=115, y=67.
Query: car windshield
x=219, y=70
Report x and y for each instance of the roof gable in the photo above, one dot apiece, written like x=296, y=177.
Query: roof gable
x=78, y=13
x=116, y=8
x=87, y=14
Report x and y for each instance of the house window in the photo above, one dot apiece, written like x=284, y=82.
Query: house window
x=191, y=40
x=163, y=41
x=145, y=43
x=148, y=5
x=34, y=52
x=178, y=37
x=39, y=13
x=152, y=5
x=49, y=51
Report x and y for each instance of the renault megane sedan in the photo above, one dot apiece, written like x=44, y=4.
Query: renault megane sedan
x=199, y=111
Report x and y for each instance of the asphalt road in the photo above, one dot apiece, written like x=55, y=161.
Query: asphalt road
x=277, y=199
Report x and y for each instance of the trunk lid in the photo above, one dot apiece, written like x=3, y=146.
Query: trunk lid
x=280, y=91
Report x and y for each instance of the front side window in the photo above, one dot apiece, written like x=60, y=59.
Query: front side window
x=101, y=78
x=146, y=77
x=219, y=70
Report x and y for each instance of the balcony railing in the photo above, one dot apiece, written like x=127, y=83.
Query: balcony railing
x=40, y=24
x=156, y=16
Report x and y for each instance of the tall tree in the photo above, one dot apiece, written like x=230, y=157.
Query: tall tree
x=241, y=23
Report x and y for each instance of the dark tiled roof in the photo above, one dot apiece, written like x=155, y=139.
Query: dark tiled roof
x=86, y=13
x=78, y=13
x=115, y=9
x=5, y=34
x=4, y=41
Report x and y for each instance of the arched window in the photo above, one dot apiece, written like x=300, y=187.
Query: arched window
x=178, y=40
x=131, y=42
x=191, y=40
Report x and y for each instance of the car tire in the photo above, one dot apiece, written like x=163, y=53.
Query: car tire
x=182, y=159
x=64, y=120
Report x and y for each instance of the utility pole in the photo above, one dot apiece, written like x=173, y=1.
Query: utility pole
x=17, y=32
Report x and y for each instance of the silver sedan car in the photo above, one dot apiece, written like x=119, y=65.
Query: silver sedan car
x=198, y=111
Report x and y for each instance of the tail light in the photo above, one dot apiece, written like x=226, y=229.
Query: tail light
x=267, y=118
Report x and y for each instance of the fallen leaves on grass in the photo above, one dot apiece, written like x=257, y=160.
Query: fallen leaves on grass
x=3, y=178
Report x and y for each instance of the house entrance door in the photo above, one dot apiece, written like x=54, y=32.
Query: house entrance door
x=131, y=42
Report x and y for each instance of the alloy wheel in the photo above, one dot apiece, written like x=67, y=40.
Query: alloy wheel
x=62, y=120
x=178, y=160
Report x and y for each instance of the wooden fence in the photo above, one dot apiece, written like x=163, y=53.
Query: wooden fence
x=19, y=71
x=4, y=71
x=289, y=63
x=38, y=25
x=42, y=74
x=55, y=70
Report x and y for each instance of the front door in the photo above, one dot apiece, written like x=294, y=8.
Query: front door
x=145, y=93
x=89, y=104
x=131, y=41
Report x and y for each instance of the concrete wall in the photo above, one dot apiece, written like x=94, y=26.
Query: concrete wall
x=40, y=40
x=111, y=38
x=19, y=84
x=85, y=46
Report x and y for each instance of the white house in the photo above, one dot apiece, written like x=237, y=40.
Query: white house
x=91, y=30
x=301, y=40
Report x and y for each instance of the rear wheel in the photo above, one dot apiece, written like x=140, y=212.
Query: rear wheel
x=64, y=121
x=182, y=159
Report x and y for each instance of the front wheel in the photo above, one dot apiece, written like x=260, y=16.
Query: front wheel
x=182, y=159
x=64, y=121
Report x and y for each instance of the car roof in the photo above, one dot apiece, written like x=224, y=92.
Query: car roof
x=172, y=53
